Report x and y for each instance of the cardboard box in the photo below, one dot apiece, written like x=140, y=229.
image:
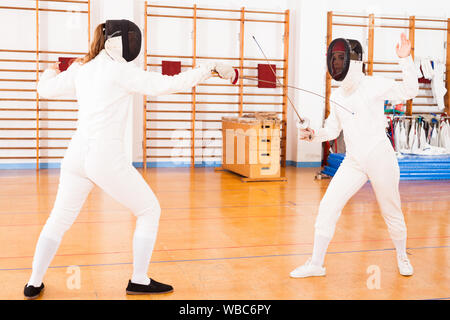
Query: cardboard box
x=251, y=146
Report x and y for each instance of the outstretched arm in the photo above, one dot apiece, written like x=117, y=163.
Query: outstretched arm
x=151, y=83
x=54, y=84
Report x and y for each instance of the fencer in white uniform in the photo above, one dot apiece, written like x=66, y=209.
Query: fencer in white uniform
x=369, y=153
x=104, y=88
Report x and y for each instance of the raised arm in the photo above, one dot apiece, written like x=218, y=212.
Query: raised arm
x=54, y=84
x=389, y=89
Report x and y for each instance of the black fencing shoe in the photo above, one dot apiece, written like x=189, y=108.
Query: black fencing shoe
x=154, y=287
x=31, y=292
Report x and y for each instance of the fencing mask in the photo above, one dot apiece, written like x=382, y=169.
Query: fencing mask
x=341, y=52
x=122, y=39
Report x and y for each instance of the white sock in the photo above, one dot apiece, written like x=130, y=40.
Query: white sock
x=142, y=252
x=400, y=247
x=45, y=251
x=320, y=249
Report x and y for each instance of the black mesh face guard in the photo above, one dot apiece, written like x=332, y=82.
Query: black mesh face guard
x=131, y=37
x=339, y=53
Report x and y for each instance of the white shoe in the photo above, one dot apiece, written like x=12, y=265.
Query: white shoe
x=404, y=266
x=308, y=270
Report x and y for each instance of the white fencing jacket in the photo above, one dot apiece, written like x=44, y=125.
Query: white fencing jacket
x=366, y=128
x=104, y=89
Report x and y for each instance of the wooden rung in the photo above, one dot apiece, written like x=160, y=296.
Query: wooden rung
x=169, y=16
x=184, y=147
x=33, y=148
x=5, y=158
x=382, y=62
x=31, y=61
x=183, y=129
x=189, y=102
x=231, y=94
x=179, y=120
x=43, y=9
x=169, y=111
x=264, y=94
x=214, y=58
x=42, y=100
x=61, y=52
x=42, y=110
x=183, y=157
x=34, y=129
x=433, y=20
x=16, y=99
x=42, y=51
x=19, y=70
x=44, y=157
x=58, y=110
x=186, y=139
x=33, y=138
x=392, y=18
x=218, y=19
x=388, y=71
x=211, y=18
x=349, y=16
x=168, y=7
x=265, y=103
x=18, y=90
x=257, y=20
x=392, y=27
x=57, y=100
x=429, y=28
x=170, y=120
x=160, y=65
x=247, y=77
x=169, y=157
x=19, y=80
x=226, y=85
x=268, y=12
x=189, y=111
x=68, y=1
x=34, y=119
x=210, y=9
x=349, y=24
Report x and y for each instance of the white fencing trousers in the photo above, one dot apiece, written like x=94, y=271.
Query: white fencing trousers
x=381, y=167
x=101, y=162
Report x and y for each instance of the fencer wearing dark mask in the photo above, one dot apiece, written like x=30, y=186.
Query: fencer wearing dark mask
x=104, y=82
x=369, y=154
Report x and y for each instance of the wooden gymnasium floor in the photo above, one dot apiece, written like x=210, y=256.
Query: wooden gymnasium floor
x=223, y=239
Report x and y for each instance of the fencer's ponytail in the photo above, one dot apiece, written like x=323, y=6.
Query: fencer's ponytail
x=97, y=44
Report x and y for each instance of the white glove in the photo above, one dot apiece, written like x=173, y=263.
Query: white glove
x=306, y=134
x=226, y=71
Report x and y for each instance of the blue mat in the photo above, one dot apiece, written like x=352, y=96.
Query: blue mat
x=412, y=167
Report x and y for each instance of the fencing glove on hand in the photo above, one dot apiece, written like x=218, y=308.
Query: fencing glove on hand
x=227, y=72
x=306, y=134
